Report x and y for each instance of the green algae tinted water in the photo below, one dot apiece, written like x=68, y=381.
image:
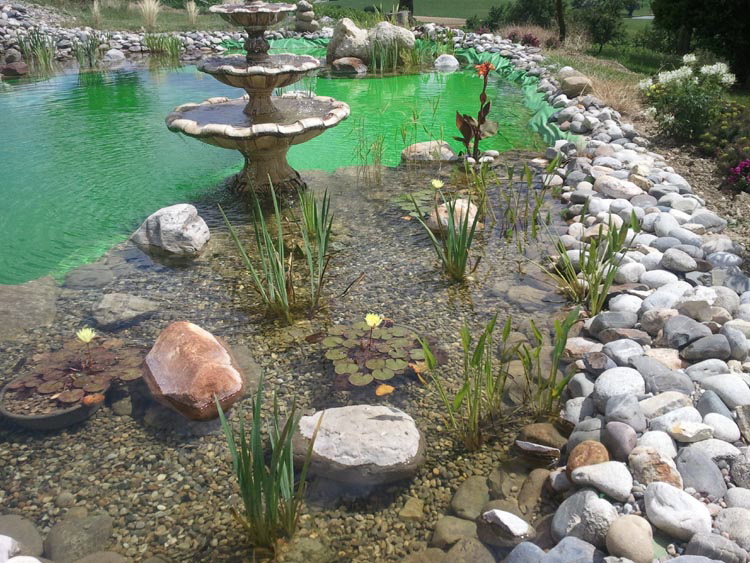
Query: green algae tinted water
x=87, y=157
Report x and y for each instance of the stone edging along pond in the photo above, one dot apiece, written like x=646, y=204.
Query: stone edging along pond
x=660, y=401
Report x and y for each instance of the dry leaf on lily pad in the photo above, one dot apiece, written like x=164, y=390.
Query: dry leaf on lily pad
x=384, y=389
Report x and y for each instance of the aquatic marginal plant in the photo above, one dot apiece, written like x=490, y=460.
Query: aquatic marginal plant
x=271, y=501
x=474, y=129
x=375, y=350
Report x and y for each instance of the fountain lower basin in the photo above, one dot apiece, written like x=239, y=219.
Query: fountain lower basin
x=262, y=140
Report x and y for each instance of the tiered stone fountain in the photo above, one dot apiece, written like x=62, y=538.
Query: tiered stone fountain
x=259, y=125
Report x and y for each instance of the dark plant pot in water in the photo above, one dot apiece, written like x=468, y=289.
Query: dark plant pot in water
x=54, y=420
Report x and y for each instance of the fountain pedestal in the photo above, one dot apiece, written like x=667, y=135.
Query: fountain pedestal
x=261, y=126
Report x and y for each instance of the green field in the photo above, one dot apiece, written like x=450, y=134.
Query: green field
x=464, y=9
x=436, y=8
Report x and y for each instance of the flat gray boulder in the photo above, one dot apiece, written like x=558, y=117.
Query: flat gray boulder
x=115, y=310
x=361, y=444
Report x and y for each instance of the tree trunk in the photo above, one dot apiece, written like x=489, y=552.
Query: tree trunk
x=406, y=5
x=684, y=39
x=560, y=12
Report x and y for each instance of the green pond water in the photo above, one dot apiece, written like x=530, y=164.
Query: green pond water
x=86, y=157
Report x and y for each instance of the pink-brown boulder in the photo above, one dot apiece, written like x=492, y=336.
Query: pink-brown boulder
x=187, y=366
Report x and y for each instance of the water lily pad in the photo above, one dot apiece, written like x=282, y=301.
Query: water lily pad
x=382, y=347
x=397, y=353
x=417, y=354
x=395, y=365
x=351, y=343
x=360, y=379
x=131, y=374
x=383, y=374
x=32, y=383
x=332, y=341
x=72, y=396
x=17, y=384
x=345, y=367
x=361, y=326
x=49, y=387
x=336, y=330
x=52, y=375
x=375, y=363
x=336, y=354
x=95, y=387
x=400, y=331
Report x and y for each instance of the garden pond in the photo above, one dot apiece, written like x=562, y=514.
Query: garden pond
x=91, y=158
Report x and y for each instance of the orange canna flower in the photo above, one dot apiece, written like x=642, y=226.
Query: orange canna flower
x=484, y=68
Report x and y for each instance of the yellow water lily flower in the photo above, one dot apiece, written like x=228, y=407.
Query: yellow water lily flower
x=86, y=335
x=437, y=184
x=373, y=319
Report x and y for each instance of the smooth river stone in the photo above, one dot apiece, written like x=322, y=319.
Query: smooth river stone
x=617, y=381
x=675, y=512
x=611, y=478
x=585, y=516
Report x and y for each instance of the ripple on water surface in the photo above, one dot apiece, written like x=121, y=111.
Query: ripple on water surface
x=87, y=157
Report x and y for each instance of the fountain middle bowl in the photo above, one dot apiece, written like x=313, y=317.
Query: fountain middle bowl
x=274, y=72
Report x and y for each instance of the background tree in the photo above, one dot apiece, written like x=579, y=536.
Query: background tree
x=560, y=15
x=601, y=19
x=406, y=5
x=631, y=6
x=719, y=26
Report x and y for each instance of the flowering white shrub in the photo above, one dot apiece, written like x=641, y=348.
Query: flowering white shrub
x=684, y=101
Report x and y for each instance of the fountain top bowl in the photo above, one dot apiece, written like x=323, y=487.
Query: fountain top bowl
x=253, y=14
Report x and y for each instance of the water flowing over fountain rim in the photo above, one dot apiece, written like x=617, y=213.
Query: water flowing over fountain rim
x=212, y=66
x=177, y=120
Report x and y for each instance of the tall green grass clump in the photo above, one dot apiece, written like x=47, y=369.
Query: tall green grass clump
x=478, y=400
x=39, y=48
x=587, y=280
x=453, y=241
x=86, y=51
x=545, y=389
x=271, y=498
x=163, y=44
x=273, y=280
x=317, y=223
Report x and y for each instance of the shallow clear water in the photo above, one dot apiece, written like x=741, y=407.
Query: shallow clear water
x=87, y=157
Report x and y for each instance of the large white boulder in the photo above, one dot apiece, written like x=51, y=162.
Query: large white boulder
x=177, y=230
x=348, y=41
x=361, y=444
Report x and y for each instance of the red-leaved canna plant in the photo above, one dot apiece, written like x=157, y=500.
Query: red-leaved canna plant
x=473, y=129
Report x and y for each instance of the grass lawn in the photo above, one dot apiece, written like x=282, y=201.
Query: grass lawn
x=118, y=17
